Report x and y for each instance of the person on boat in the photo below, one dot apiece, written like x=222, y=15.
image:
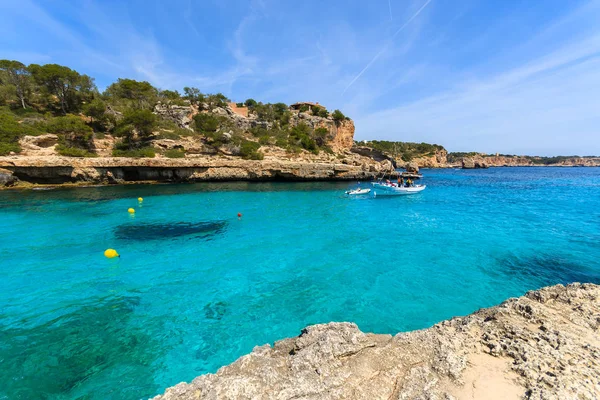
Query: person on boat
x=400, y=182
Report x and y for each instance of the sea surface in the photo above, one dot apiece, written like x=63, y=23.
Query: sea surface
x=196, y=287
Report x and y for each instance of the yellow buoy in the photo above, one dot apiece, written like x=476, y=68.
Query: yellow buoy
x=140, y=199
x=131, y=211
x=110, y=253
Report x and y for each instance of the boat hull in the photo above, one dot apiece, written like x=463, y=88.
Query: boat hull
x=381, y=189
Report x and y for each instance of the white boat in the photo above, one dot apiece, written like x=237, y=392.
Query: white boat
x=391, y=189
x=358, y=191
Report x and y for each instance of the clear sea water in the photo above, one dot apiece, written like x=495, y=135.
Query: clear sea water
x=196, y=287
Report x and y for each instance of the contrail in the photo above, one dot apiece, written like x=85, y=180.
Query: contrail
x=387, y=45
x=390, y=4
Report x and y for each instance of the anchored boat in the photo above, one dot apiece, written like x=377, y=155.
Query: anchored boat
x=391, y=189
x=358, y=191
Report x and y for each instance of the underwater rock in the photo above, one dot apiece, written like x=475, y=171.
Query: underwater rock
x=142, y=232
x=53, y=359
x=215, y=310
x=544, y=345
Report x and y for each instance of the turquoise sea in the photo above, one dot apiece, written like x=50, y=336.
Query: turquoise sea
x=196, y=287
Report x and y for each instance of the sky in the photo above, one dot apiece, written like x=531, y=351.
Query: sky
x=510, y=76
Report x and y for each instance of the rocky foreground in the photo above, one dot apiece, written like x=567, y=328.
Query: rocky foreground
x=544, y=345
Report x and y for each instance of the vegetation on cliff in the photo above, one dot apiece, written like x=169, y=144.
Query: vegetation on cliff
x=457, y=157
x=405, y=151
x=51, y=98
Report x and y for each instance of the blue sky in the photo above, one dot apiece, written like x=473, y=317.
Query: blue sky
x=510, y=76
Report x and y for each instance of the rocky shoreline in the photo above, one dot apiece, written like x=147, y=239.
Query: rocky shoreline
x=544, y=345
x=19, y=171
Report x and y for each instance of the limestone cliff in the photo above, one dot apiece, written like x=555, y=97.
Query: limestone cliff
x=439, y=159
x=111, y=170
x=39, y=162
x=480, y=160
x=340, y=135
x=544, y=345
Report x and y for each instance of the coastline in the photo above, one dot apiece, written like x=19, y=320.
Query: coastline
x=544, y=344
x=55, y=171
x=24, y=172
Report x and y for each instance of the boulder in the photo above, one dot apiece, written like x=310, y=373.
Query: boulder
x=45, y=141
x=7, y=178
x=82, y=174
x=412, y=167
x=181, y=115
x=386, y=165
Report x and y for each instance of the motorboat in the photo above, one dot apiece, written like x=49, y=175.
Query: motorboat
x=358, y=191
x=392, y=189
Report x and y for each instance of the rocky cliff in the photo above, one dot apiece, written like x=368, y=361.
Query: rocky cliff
x=486, y=161
x=340, y=136
x=202, y=159
x=111, y=170
x=439, y=159
x=544, y=345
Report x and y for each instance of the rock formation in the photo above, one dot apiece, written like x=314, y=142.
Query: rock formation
x=544, y=345
x=340, y=135
x=439, y=159
x=7, y=178
x=180, y=115
x=58, y=170
x=474, y=162
x=412, y=167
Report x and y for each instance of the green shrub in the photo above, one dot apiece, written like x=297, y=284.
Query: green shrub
x=72, y=132
x=175, y=153
x=265, y=140
x=74, y=151
x=249, y=150
x=217, y=100
x=281, y=142
x=300, y=135
x=169, y=135
x=327, y=150
x=205, y=122
x=338, y=116
x=259, y=131
x=11, y=131
x=216, y=139
x=144, y=122
x=148, y=152
x=285, y=118
x=320, y=135
x=8, y=147
x=68, y=124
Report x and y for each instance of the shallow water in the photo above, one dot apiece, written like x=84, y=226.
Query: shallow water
x=75, y=325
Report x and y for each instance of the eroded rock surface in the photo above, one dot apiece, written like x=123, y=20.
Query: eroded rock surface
x=57, y=169
x=544, y=345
